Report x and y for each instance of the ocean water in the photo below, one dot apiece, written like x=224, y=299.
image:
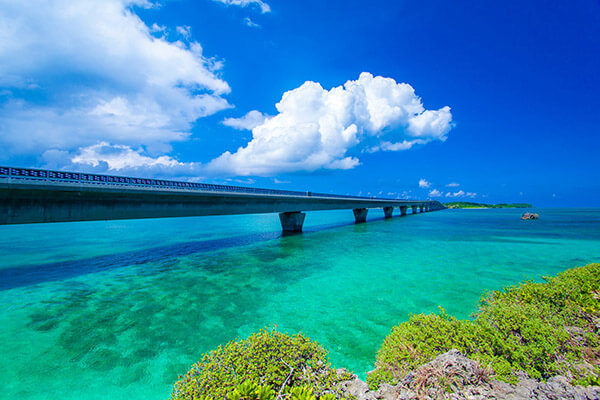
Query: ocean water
x=119, y=309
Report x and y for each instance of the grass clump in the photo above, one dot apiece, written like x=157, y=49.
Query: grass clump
x=542, y=329
x=266, y=364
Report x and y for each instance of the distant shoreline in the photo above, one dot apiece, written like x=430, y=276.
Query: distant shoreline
x=469, y=205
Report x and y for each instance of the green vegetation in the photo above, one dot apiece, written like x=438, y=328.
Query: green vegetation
x=467, y=204
x=260, y=367
x=542, y=329
x=252, y=391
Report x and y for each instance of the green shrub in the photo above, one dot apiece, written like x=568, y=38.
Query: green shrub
x=258, y=368
x=539, y=328
x=419, y=340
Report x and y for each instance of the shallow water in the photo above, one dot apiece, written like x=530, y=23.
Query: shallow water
x=119, y=309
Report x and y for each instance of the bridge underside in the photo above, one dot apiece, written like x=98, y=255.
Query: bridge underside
x=40, y=202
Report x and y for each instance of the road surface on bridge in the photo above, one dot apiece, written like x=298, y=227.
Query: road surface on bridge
x=39, y=196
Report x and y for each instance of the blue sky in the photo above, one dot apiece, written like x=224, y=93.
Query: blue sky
x=483, y=101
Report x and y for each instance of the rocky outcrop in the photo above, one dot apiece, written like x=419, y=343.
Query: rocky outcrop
x=453, y=376
x=530, y=216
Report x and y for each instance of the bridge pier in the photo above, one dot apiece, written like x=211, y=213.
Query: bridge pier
x=360, y=215
x=43, y=196
x=421, y=207
x=292, y=221
x=388, y=211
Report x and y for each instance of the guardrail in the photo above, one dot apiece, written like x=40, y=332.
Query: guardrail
x=96, y=179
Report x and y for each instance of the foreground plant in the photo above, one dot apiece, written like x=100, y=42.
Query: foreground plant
x=542, y=329
x=267, y=365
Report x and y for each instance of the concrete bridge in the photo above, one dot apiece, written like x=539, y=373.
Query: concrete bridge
x=36, y=196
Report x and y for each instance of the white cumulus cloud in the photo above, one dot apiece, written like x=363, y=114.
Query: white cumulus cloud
x=423, y=183
x=453, y=184
x=77, y=73
x=248, y=122
x=317, y=128
x=435, y=193
x=251, y=23
x=461, y=193
x=185, y=31
x=120, y=157
x=123, y=159
x=264, y=7
x=389, y=146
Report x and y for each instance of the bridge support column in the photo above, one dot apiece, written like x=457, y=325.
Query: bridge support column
x=360, y=215
x=403, y=210
x=421, y=207
x=292, y=221
x=388, y=211
x=414, y=209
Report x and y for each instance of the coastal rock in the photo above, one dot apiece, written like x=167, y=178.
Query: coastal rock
x=452, y=376
x=386, y=392
x=525, y=389
x=355, y=387
x=343, y=372
x=530, y=216
x=359, y=390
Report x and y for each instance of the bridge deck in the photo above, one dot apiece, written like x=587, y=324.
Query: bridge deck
x=33, y=196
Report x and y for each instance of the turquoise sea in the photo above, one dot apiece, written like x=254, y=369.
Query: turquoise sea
x=118, y=309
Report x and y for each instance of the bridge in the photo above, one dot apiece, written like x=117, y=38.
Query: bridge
x=37, y=196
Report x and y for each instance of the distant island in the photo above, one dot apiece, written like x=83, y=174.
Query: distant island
x=467, y=204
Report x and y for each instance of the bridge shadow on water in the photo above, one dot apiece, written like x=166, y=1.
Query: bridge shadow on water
x=27, y=275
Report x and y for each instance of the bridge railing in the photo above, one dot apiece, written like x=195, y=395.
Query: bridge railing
x=113, y=180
